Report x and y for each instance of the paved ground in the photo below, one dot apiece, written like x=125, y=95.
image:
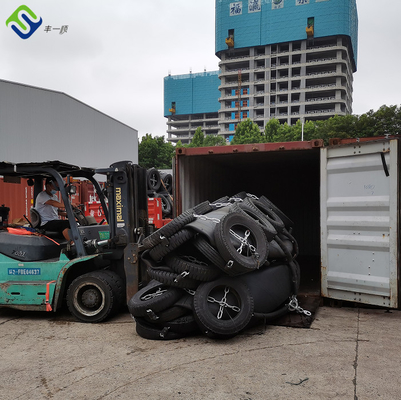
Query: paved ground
x=348, y=353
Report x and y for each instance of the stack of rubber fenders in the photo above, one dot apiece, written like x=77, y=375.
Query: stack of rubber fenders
x=216, y=268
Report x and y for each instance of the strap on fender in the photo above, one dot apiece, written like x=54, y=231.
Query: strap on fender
x=48, y=306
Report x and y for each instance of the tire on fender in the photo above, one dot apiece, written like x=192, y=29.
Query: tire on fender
x=155, y=296
x=229, y=232
x=224, y=306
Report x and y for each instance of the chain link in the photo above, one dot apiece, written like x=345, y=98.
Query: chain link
x=244, y=241
x=236, y=199
x=205, y=218
x=194, y=260
x=151, y=296
x=181, y=276
x=293, y=305
x=252, y=196
x=223, y=303
x=220, y=205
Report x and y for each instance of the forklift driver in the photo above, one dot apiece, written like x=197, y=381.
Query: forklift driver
x=49, y=208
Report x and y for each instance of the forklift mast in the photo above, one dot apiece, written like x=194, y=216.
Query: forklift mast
x=128, y=215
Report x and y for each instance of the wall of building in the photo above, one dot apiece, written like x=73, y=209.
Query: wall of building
x=192, y=93
x=261, y=22
x=40, y=125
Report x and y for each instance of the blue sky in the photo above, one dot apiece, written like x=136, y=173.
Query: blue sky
x=115, y=55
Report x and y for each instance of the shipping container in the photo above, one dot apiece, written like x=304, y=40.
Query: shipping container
x=343, y=199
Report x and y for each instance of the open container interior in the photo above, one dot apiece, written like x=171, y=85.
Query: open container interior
x=290, y=178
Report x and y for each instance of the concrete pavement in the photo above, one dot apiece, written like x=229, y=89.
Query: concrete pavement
x=348, y=353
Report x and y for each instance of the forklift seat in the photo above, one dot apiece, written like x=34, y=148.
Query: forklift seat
x=36, y=224
x=35, y=218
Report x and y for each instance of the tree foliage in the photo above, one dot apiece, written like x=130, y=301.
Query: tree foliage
x=214, y=140
x=386, y=120
x=201, y=140
x=155, y=152
x=199, y=137
x=247, y=132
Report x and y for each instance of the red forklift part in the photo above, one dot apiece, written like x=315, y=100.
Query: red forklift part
x=48, y=306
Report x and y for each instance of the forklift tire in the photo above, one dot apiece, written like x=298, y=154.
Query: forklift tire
x=91, y=298
x=175, y=225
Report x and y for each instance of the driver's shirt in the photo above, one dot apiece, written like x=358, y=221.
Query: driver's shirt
x=46, y=211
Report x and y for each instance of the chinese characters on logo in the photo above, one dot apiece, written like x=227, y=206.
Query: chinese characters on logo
x=63, y=29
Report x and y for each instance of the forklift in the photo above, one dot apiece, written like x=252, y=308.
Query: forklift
x=99, y=269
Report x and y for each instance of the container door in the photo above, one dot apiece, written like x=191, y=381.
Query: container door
x=359, y=223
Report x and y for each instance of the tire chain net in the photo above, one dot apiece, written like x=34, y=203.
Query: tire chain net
x=223, y=307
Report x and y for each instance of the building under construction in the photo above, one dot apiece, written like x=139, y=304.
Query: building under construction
x=285, y=59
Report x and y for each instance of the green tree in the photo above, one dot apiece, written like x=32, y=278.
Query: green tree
x=199, y=137
x=247, y=132
x=155, y=152
x=214, y=140
x=271, y=130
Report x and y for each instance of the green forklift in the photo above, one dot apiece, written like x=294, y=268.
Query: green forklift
x=98, y=271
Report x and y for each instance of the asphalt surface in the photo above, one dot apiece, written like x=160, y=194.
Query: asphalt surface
x=348, y=353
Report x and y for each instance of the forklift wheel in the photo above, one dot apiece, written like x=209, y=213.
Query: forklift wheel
x=90, y=297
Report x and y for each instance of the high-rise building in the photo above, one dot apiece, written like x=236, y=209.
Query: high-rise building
x=285, y=59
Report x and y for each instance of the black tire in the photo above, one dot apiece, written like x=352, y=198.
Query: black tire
x=209, y=252
x=221, y=319
x=152, y=332
x=175, y=241
x=170, y=314
x=167, y=182
x=175, y=225
x=287, y=221
x=270, y=215
x=253, y=254
x=118, y=287
x=186, y=325
x=148, y=299
x=196, y=269
x=90, y=297
x=167, y=205
x=249, y=209
x=172, y=279
x=153, y=179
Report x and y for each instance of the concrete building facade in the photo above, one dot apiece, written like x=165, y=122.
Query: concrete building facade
x=286, y=59
x=190, y=101
x=38, y=124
